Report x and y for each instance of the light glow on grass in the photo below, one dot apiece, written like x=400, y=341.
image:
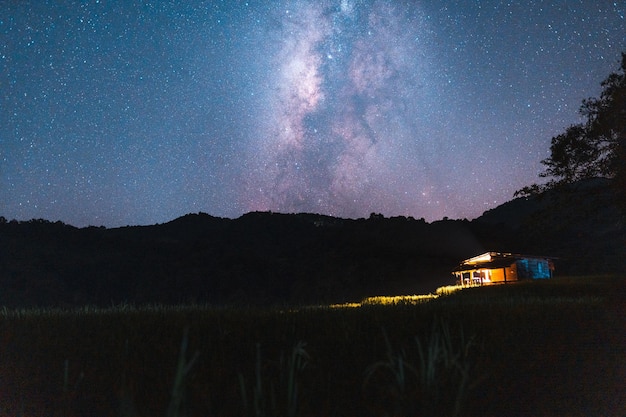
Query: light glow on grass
x=399, y=299
x=346, y=305
x=449, y=289
x=389, y=300
x=402, y=299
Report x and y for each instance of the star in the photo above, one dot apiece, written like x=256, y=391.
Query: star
x=122, y=114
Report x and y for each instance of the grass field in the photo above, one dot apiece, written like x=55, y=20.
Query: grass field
x=549, y=348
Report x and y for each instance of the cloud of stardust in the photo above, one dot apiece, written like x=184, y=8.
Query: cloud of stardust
x=333, y=133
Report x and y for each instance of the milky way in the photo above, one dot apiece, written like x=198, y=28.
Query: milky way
x=120, y=114
x=349, y=82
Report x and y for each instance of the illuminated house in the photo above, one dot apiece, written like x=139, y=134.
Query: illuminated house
x=500, y=268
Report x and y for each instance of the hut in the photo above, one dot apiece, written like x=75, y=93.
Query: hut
x=500, y=268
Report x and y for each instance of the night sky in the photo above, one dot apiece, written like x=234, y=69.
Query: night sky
x=124, y=113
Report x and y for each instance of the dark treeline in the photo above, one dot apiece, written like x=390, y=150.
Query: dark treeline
x=297, y=258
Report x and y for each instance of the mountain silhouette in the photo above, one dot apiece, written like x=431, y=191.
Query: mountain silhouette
x=272, y=258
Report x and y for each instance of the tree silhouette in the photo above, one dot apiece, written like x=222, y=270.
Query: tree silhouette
x=575, y=156
x=596, y=147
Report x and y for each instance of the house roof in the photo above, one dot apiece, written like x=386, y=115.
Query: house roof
x=495, y=264
x=494, y=260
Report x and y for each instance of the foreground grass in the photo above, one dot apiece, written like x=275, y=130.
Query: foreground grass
x=552, y=348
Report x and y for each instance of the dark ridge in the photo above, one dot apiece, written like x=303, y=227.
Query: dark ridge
x=271, y=258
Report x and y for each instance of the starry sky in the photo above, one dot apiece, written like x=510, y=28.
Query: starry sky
x=127, y=113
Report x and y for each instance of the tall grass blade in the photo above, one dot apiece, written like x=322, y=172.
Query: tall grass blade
x=175, y=408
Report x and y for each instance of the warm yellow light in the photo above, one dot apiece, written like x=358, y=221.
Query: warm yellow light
x=389, y=300
x=485, y=257
x=346, y=305
x=448, y=289
x=399, y=299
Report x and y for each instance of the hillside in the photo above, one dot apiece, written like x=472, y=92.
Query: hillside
x=295, y=258
x=580, y=223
